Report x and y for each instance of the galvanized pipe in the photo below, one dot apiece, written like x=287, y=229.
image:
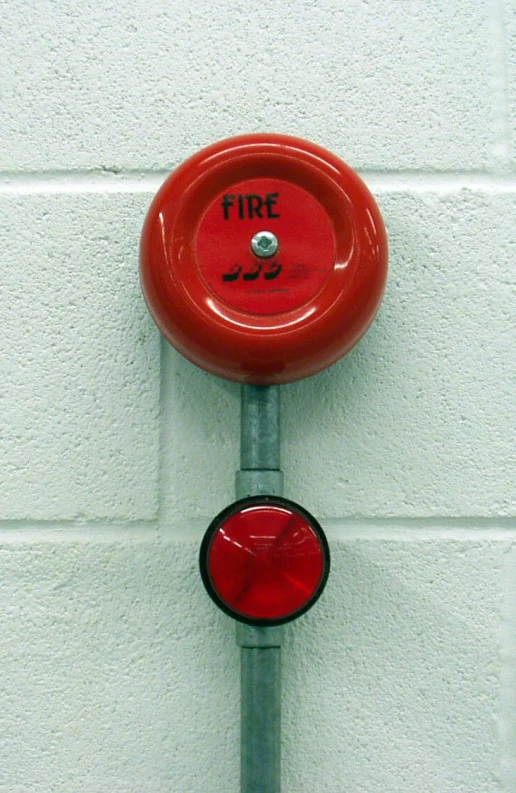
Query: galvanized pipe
x=260, y=652
x=260, y=427
x=260, y=658
x=259, y=442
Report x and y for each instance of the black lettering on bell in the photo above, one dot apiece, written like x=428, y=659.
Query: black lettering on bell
x=233, y=273
x=254, y=205
x=272, y=271
x=253, y=273
x=226, y=203
x=270, y=201
x=241, y=206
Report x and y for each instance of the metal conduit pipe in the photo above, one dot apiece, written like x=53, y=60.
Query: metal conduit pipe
x=260, y=653
x=259, y=442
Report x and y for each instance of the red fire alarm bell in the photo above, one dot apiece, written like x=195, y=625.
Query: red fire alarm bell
x=263, y=259
x=264, y=560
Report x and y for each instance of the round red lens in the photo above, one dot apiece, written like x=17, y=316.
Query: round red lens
x=264, y=561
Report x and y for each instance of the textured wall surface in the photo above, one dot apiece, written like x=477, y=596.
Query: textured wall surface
x=118, y=675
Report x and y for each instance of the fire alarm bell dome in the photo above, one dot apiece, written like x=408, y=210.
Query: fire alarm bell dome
x=263, y=259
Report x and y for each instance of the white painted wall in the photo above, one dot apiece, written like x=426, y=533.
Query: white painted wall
x=117, y=674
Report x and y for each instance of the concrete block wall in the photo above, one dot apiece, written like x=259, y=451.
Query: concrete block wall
x=117, y=673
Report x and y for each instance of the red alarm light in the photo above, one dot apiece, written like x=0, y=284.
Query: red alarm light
x=264, y=560
x=263, y=259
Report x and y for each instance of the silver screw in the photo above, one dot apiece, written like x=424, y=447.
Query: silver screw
x=264, y=244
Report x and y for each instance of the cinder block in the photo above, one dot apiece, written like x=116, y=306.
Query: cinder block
x=418, y=419
x=80, y=368
x=507, y=724
x=119, y=674
x=200, y=450
x=510, y=76
x=392, y=681
x=138, y=86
